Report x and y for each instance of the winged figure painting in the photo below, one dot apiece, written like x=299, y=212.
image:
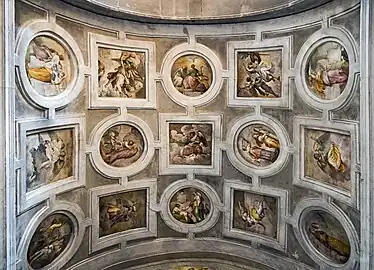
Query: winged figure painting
x=255, y=213
x=259, y=74
x=330, y=152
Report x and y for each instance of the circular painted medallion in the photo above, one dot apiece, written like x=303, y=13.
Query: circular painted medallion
x=327, y=236
x=48, y=66
x=327, y=70
x=190, y=205
x=258, y=145
x=121, y=145
x=191, y=75
x=50, y=240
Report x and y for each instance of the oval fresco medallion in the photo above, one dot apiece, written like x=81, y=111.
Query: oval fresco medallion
x=327, y=236
x=48, y=66
x=50, y=240
x=191, y=75
x=121, y=145
x=190, y=205
x=258, y=145
x=327, y=70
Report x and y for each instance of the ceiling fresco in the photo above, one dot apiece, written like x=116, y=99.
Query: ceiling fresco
x=216, y=147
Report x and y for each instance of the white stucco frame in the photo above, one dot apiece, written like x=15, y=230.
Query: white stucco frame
x=234, y=47
x=25, y=200
x=301, y=211
x=75, y=213
x=148, y=48
x=209, y=56
x=121, y=172
x=164, y=165
x=343, y=38
x=299, y=179
x=45, y=28
x=244, y=166
x=282, y=201
x=181, y=227
x=96, y=242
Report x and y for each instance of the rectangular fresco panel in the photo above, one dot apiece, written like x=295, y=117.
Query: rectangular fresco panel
x=190, y=144
x=122, y=212
x=327, y=158
x=259, y=74
x=255, y=213
x=50, y=157
x=121, y=73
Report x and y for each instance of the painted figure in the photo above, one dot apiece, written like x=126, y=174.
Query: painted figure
x=259, y=145
x=121, y=146
x=328, y=236
x=327, y=157
x=255, y=213
x=191, y=75
x=122, y=76
x=189, y=206
x=122, y=212
x=258, y=77
x=49, y=157
x=49, y=241
x=190, y=144
x=47, y=66
x=328, y=70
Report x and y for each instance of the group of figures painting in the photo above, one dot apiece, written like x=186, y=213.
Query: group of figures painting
x=190, y=206
x=191, y=75
x=50, y=240
x=50, y=157
x=48, y=65
x=190, y=144
x=121, y=74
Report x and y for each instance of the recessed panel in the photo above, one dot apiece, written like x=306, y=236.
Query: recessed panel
x=258, y=145
x=121, y=145
x=190, y=144
x=327, y=158
x=328, y=70
x=50, y=157
x=190, y=205
x=122, y=212
x=50, y=240
x=259, y=74
x=327, y=236
x=255, y=213
x=121, y=73
x=191, y=75
x=48, y=66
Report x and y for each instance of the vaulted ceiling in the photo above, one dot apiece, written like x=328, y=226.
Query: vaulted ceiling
x=197, y=10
